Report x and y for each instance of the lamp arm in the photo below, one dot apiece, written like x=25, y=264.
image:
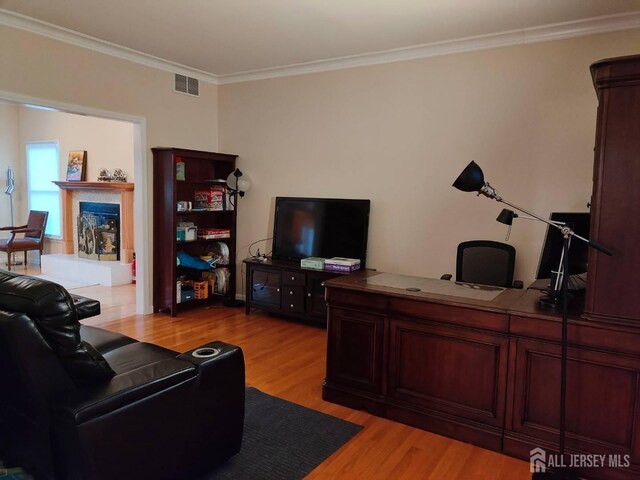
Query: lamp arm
x=564, y=230
x=555, y=222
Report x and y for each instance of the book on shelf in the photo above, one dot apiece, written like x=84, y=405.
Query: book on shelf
x=213, y=233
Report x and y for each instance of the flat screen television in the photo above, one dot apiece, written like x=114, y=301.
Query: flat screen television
x=320, y=227
x=552, y=248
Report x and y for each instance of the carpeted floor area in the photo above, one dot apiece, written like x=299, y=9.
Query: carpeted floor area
x=282, y=441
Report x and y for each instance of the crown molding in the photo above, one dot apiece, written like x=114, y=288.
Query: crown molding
x=557, y=31
x=32, y=25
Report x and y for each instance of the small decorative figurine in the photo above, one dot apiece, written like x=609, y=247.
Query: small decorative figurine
x=119, y=175
x=104, y=175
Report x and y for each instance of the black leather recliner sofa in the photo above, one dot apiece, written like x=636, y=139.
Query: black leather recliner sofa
x=79, y=402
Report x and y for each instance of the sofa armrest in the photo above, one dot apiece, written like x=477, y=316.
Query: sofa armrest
x=179, y=428
x=209, y=354
x=224, y=365
x=125, y=389
x=85, y=307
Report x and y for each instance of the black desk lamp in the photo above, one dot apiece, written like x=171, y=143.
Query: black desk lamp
x=472, y=180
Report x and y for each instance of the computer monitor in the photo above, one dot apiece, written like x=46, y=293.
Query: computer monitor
x=552, y=248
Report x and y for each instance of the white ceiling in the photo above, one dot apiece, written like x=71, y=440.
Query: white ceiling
x=224, y=37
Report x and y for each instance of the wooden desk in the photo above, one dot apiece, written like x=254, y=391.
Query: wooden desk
x=483, y=371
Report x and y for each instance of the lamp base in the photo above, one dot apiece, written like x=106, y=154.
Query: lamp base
x=552, y=299
x=233, y=303
x=557, y=474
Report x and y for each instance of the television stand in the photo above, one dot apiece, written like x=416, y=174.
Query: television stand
x=284, y=288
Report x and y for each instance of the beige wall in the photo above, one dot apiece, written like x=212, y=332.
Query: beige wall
x=399, y=134
x=59, y=73
x=44, y=68
x=109, y=143
x=9, y=157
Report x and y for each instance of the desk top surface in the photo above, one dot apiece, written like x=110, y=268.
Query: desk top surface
x=427, y=289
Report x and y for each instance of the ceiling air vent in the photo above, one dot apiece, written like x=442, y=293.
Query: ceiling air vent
x=188, y=85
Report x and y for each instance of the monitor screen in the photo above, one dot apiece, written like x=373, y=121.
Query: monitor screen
x=552, y=248
x=320, y=227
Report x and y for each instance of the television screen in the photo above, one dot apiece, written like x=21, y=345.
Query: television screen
x=320, y=227
x=552, y=249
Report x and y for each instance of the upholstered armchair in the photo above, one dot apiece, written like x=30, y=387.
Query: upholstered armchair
x=31, y=236
x=82, y=403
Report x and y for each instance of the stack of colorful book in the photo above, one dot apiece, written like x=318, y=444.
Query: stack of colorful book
x=315, y=263
x=212, y=233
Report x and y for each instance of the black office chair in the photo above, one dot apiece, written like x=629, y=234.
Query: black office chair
x=486, y=263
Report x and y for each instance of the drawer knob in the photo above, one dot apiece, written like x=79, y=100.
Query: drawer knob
x=308, y=294
x=277, y=289
x=293, y=278
x=290, y=292
x=292, y=305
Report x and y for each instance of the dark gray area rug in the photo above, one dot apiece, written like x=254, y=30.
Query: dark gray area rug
x=283, y=440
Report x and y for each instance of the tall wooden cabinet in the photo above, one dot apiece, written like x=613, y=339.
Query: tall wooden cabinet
x=612, y=288
x=178, y=175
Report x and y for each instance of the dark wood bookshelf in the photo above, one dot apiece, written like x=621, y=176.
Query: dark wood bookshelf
x=167, y=192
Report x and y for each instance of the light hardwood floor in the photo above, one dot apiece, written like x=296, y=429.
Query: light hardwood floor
x=287, y=359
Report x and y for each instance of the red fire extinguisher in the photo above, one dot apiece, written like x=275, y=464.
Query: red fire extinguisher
x=133, y=269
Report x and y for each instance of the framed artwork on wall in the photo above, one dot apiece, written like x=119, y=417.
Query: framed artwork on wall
x=77, y=167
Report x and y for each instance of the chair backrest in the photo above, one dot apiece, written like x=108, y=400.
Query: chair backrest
x=37, y=221
x=486, y=262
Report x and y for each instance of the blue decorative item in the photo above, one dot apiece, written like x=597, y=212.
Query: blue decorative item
x=186, y=260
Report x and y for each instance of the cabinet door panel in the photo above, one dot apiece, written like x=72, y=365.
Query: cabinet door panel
x=265, y=287
x=603, y=398
x=316, y=304
x=451, y=370
x=354, y=356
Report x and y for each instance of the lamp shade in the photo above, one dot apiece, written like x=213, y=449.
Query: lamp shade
x=506, y=216
x=238, y=181
x=471, y=179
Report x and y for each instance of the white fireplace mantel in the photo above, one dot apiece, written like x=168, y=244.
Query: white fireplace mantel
x=126, y=213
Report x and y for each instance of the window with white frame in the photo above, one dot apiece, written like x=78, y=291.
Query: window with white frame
x=43, y=167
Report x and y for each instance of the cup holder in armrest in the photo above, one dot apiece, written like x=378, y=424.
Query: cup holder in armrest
x=206, y=352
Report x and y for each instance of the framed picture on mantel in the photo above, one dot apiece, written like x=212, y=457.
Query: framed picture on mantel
x=76, y=169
